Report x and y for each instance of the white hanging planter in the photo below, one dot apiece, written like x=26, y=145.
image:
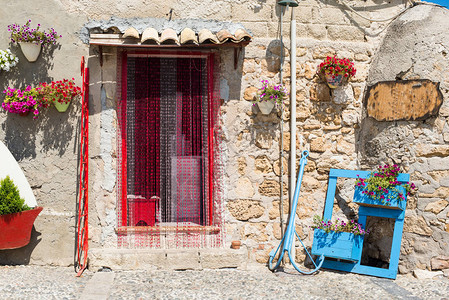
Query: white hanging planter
x=265, y=107
x=30, y=50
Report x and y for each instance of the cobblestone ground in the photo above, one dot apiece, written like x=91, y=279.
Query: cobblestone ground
x=35, y=282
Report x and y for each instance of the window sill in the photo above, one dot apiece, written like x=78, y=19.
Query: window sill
x=168, y=228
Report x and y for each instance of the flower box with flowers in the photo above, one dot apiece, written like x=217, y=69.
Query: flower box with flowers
x=382, y=189
x=340, y=240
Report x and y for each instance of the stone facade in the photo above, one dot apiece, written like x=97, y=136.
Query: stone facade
x=332, y=125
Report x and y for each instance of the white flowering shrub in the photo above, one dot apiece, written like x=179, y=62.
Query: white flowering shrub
x=7, y=60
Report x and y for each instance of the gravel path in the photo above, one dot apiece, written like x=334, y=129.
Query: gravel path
x=36, y=282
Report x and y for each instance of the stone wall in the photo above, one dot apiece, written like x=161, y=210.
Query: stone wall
x=332, y=125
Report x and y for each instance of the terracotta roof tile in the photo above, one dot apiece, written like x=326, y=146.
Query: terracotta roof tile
x=131, y=32
x=195, y=35
x=151, y=35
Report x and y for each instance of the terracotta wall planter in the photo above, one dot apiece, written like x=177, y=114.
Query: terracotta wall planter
x=15, y=229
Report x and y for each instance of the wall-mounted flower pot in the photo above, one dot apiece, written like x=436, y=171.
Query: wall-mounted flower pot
x=265, y=107
x=334, y=80
x=61, y=107
x=30, y=50
x=15, y=229
x=341, y=245
x=391, y=200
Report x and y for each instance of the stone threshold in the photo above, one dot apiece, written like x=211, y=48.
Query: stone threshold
x=167, y=259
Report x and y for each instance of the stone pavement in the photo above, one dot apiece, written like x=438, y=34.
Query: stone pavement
x=37, y=282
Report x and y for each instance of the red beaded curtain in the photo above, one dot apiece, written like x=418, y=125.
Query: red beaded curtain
x=168, y=169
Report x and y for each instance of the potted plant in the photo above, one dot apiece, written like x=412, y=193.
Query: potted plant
x=31, y=39
x=7, y=60
x=269, y=96
x=23, y=101
x=336, y=71
x=60, y=92
x=383, y=189
x=341, y=240
x=16, y=218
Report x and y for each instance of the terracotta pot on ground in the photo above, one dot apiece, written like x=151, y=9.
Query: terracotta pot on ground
x=236, y=244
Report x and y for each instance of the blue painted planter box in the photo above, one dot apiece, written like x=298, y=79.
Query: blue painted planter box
x=342, y=245
x=394, y=203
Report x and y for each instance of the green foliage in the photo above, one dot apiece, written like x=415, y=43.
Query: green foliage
x=275, y=93
x=382, y=185
x=338, y=226
x=10, y=201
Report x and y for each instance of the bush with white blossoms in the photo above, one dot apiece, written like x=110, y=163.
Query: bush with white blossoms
x=7, y=60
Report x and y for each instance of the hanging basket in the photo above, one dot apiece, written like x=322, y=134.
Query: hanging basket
x=61, y=107
x=30, y=50
x=265, y=107
x=334, y=80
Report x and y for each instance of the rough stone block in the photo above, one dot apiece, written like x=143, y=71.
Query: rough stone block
x=345, y=147
x=244, y=188
x=322, y=52
x=440, y=262
x=426, y=150
x=345, y=33
x=417, y=224
x=262, y=11
x=437, y=206
x=275, y=212
x=316, y=31
x=263, y=164
x=183, y=259
x=258, y=29
x=333, y=16
x=264, y=140
x=271, y=188
x=254, y=232
x=317, y=145
x=277, y=167
x=245, y=209
x=250, y=93
x=403, y=100
x=304, y=14
x=223, y=258
x=320, y=92
x=424, y=274
x=127, y=259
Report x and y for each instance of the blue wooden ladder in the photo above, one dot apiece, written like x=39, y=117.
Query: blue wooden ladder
x=364, y=212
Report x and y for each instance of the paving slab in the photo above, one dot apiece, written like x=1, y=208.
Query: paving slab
x=42, y=282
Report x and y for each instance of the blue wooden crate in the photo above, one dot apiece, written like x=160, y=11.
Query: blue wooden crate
x=341, y=245
x=393, y=203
